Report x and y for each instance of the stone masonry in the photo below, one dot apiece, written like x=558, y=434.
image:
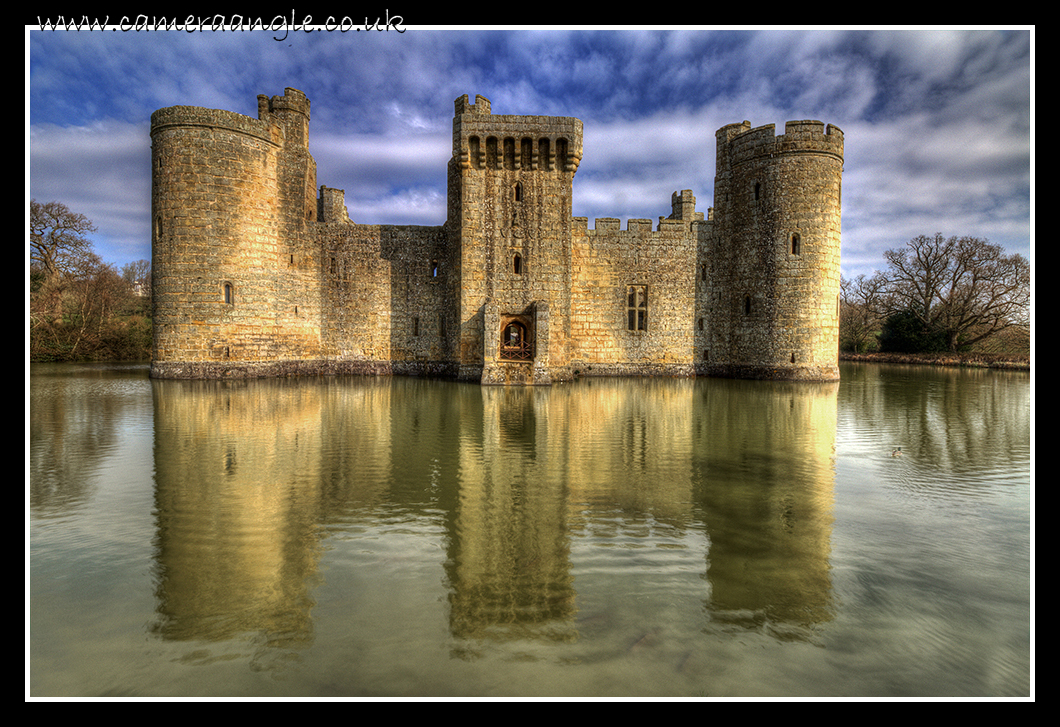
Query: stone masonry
x=258, y=273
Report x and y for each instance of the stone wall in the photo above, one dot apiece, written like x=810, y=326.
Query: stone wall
x=634, y=299
x=386, y=295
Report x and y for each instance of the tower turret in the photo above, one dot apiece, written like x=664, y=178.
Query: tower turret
x=773, y=257
x=230, y=199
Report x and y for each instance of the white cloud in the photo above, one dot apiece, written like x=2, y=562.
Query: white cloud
x=103, y=172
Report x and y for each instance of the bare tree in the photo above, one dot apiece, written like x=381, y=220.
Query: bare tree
x=861, y=312
x=963, y=288
x=57, y=240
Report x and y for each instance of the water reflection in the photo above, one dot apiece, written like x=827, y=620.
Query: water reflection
x=76, y=412
x=236, y=525
x=765, y=464
x=348, y=536
x=508, y=564
x=962, y=432
x=255, y=478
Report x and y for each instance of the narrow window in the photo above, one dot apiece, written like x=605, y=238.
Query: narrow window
x=637, y=307
x=793, y=357
x=230, y=294
x=795, y=240
x=747, y=305
x=700, y=324
x=758, y=191
x=518, y=191
x=434, y=268
x=517, y=264
x=416, y=326
x=702, y=272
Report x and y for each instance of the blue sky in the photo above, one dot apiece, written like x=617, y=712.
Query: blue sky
x=937, y=122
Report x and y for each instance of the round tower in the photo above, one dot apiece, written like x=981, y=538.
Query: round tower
x=226, y=197
x=773, y=259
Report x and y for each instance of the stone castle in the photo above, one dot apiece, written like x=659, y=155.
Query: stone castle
x=255, y=274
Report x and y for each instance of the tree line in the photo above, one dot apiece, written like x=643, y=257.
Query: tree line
x=80, y=307
x=937, y=295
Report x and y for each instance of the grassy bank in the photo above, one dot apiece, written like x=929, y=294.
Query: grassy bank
x=976, y=360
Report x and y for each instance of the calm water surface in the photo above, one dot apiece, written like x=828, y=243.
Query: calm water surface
x=402, y=537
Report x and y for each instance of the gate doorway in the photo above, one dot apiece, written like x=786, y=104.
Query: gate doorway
x=516, y=343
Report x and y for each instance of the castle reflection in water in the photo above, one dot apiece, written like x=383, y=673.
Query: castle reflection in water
x=253, y=477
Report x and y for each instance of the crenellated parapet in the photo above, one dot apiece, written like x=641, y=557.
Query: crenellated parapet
x=745, y=144
x=292, y=102
x=290, y=111
x=683, y=214
x=464, y=106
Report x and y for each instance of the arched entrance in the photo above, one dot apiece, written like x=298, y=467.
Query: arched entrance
x=516, y=341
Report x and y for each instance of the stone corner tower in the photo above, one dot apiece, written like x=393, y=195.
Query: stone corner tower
x=773, y=255
x=510, y=201
x=231, y=197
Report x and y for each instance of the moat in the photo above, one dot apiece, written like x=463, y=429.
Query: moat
x=403, y=537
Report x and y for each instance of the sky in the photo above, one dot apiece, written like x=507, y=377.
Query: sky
x=937, y=121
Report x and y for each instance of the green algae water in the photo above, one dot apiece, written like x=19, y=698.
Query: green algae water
x=397, y=537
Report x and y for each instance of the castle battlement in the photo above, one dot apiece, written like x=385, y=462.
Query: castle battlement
x=256, y=274
x=464, y=106
x=293, y=101
x=745, y=143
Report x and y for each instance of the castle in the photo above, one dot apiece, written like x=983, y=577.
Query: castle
x=255, y=274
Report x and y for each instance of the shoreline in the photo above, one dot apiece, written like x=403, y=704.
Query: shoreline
x=970, y=360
